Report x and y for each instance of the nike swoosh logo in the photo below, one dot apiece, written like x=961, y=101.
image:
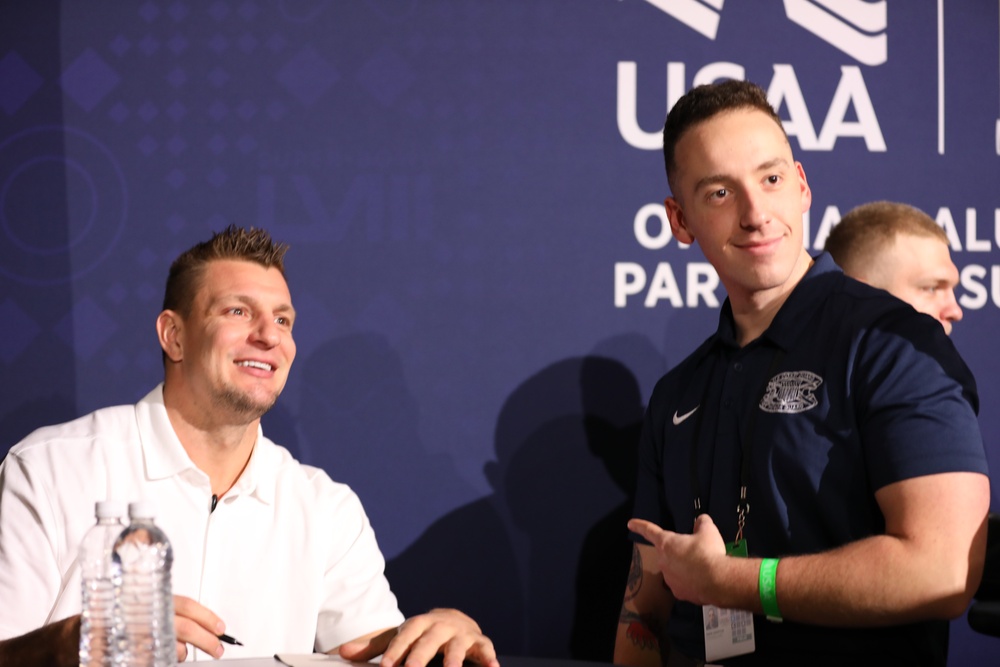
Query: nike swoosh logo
x=680, y=418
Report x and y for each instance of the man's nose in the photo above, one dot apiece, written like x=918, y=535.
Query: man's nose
x=950, y=310
x=754, y=212
x=267, y=333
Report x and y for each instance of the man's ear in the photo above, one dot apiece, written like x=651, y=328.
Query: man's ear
x=169, y=327
x=678, y=223
x=806, y=192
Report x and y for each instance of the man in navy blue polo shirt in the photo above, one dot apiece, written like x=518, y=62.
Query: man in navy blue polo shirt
x=817, y=461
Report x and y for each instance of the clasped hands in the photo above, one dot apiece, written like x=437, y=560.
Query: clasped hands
x=692, y=565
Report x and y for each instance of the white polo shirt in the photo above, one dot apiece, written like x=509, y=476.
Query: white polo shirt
x=288, y=558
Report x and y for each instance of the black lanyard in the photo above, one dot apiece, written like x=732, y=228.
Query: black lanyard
x=743, y=507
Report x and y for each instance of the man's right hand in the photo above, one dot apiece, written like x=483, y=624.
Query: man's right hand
x=197, y=625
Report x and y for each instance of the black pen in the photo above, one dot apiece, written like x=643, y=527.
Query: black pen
x=230, y=640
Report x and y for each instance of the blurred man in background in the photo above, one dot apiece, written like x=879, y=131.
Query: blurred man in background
x=900, y=249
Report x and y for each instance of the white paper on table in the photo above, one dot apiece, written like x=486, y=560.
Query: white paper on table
x=310, y=659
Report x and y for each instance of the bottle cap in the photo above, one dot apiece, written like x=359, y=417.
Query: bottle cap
x=141, y=509
x=109, y=509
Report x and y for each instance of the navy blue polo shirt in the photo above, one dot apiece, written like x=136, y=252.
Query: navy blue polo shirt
x=847, y=391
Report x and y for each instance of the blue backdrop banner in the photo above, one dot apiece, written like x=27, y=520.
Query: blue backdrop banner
x=473, y=191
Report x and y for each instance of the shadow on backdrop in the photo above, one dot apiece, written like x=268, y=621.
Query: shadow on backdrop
x=360, y=422
x=541, y=563
x=614, y=423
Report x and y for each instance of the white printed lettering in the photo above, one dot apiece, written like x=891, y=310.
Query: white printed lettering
x=975, y=296
x=972, y=242
x=663, y=286
x=947, y=223
x=630, y=278
x=640, y=226
x=851, y=91
x=783, y=91
x=831, y=216
x=702, y=281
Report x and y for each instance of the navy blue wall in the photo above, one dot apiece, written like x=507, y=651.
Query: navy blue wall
x=473, y=195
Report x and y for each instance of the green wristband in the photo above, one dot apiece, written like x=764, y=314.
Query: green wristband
x=768, y=592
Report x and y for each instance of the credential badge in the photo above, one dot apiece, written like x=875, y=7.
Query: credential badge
x=791, y=392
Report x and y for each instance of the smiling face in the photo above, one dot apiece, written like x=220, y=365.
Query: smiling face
x=919, y=270
x=231, y=355
x=738, y=192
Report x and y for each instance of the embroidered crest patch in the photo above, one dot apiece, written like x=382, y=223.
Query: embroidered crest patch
x=791, y=392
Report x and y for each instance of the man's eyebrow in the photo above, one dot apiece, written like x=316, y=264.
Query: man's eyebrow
x=939, y=280
x=250, y=301
x=223, y=298
x=283, y=308
x=712, y=178
x=771, y=164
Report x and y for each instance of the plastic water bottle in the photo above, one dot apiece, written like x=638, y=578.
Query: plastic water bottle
x=100, y=579
x=143, y=553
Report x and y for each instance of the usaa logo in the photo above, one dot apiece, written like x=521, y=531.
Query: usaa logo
x=856, y=28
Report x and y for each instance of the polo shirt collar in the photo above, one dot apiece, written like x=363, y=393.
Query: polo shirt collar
x=165, y=456
x=162, y=451
x=794, y=315
x=259, y=477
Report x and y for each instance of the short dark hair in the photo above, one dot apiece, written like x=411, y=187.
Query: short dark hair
x=704, y=102
x=249, y=245
x=866, y=230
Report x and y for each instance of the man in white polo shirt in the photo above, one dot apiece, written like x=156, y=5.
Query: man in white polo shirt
x=265, y=548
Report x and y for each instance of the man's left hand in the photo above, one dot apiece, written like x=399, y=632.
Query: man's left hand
x=420, y=638
x=687, y=562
